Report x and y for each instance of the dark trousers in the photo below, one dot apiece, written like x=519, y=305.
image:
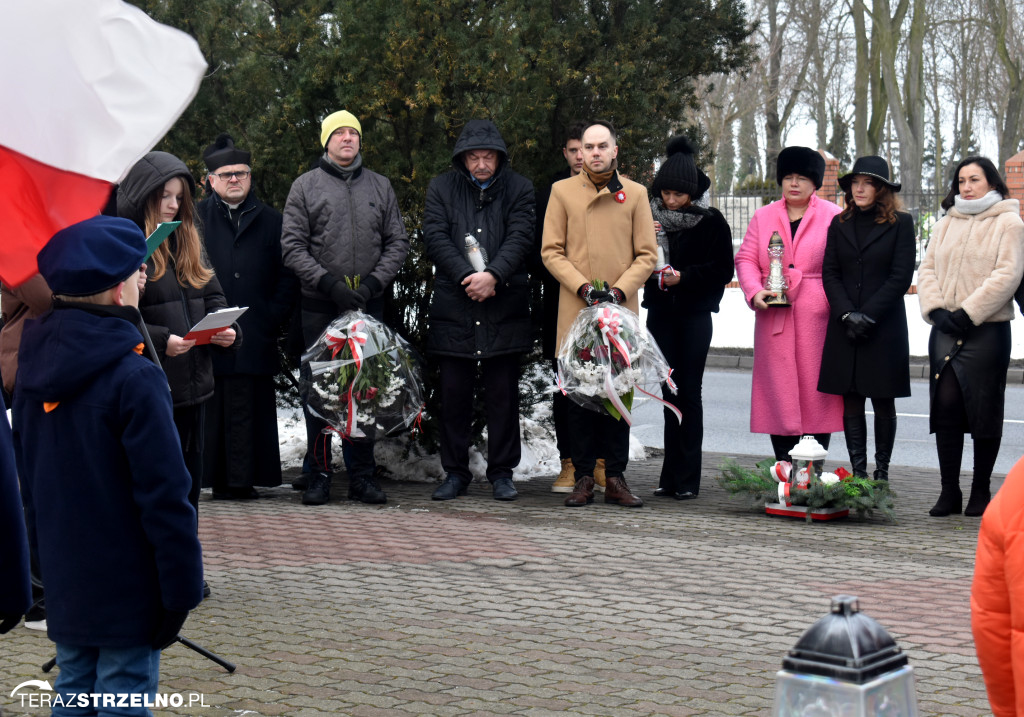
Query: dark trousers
x=190, y=422
x=594, y=434
x=685, y=347
x=500, y=376
x=358, y=455
x=560, y=415
x=242, y=448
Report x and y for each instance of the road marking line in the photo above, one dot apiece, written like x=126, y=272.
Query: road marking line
x=925, y=415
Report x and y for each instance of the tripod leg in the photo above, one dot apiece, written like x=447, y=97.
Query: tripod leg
x=230, y=667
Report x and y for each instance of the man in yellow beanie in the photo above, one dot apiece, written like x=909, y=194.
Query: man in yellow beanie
x=341, y=221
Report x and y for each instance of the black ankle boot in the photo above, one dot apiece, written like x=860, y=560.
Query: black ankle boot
x=980, y=496
x=885, y=438
x=950, y=502
x=855, y=429
x=318, y=489
x=366, y=489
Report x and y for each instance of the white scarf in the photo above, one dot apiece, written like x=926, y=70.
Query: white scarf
x=977, y=206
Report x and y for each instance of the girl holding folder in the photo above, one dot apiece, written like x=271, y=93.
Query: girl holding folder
x=180, y=290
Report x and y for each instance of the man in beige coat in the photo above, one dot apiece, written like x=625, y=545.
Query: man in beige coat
x=598, y=226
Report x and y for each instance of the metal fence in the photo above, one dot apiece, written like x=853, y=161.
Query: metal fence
x=740, y=207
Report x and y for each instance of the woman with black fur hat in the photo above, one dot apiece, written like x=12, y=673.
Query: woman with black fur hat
x=868, y=267
x=785, y=401
x=680, y=298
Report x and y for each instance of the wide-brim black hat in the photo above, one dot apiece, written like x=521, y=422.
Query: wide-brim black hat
x=870, y=166
x=803, y=161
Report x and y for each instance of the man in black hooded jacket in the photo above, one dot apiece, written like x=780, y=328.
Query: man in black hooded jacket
x=478, y=228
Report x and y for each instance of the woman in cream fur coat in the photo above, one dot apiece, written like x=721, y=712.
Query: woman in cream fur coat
x=965, y=283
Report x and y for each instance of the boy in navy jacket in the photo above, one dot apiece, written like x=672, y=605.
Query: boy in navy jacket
x=103, y=471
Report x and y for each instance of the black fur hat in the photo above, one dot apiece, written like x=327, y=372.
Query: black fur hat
x=803, y=161
x=680, y=172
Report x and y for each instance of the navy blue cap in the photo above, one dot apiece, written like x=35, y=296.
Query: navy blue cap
x=92, y=256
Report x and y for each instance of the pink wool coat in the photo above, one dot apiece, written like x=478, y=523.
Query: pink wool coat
x=788, y=341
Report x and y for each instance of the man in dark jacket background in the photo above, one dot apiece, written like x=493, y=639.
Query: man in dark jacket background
x=479, y=314
x=341, y=221
x=243, y=243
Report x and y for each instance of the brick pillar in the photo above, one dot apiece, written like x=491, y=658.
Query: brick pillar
x=1015, y=178
x=830, y=185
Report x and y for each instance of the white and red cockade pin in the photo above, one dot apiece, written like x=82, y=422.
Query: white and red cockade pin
x=620, y=197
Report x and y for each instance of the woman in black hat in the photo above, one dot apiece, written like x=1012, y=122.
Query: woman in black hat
x=868, y=267
x=680, y=297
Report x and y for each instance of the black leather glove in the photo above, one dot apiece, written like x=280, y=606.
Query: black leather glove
x=346, y=298
x=168, y=629
x=592, y=296
x=8, y=622
x=961, y=320
x=943, y=321
x=859, y=326
x=617, y=296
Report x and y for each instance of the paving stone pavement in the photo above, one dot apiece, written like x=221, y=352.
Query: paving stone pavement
x=475, y=607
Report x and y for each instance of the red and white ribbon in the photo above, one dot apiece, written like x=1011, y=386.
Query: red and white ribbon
x=667, y=269
x=678, y=414
x=609, y=323
x=355, y=338
x=784, y=494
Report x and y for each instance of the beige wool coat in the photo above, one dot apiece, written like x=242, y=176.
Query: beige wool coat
x=590, y=234
x=975, y=263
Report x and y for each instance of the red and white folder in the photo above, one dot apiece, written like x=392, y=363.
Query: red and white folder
x=214, y=323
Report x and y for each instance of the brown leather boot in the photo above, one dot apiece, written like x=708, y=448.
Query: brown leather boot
x=582, y=493
x=616, y=491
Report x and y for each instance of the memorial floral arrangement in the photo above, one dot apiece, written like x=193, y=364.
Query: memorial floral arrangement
x=607, y=356
x=841, y=489
x=363, y=378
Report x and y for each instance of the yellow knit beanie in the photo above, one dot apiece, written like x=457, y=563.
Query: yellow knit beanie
x=336, y=121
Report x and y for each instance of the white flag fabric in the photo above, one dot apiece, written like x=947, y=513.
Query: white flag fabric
x=89, y=86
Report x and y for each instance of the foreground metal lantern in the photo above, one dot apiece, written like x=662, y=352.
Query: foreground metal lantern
x=845, y=665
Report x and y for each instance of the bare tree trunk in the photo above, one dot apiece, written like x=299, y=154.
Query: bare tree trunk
x=772, y=124
x=861, y=80
x=1008, y=126
x=906, y=107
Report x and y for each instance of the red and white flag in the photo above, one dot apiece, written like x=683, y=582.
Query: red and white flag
x=89, y=86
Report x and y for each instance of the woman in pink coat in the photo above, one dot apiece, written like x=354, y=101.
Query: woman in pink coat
x=785, y=401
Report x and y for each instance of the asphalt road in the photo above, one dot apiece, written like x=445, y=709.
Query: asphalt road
x=727, y=425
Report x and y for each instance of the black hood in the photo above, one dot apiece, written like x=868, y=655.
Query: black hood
x=149, y=173
x=479, y=134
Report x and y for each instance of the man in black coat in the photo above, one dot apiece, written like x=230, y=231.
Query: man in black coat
x=243, y=242
x=478, y=227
